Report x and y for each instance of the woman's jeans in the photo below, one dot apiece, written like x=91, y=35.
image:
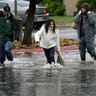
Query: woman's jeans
x=49, y=53
x=5, y=51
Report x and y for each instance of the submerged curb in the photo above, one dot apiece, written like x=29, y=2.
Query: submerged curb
x=72, y=47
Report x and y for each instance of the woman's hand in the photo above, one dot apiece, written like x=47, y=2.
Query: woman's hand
x=37, y=44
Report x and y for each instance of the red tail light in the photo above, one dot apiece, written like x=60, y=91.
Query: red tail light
x=26, y=12
x=45, y=11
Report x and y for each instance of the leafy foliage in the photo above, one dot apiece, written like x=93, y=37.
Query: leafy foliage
x=55, y=7
x=91, y=2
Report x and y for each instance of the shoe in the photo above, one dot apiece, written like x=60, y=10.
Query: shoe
x=82, y=62
x=53, y=65
x=94, y=56
x=8, y=62
x=46, y=66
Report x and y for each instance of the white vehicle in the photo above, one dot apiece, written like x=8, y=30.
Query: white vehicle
x=41, y=15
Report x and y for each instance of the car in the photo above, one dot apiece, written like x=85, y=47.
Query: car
x=40, y=17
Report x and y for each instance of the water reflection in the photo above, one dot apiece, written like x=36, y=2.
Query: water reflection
x=27, y=81
x=8, y=87
x=87, y=81
x=39, y=83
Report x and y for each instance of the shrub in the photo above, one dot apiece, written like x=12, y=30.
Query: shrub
x=91, y=2
x=55, y=8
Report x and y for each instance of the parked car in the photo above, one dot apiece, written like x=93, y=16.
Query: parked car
x=40, y=17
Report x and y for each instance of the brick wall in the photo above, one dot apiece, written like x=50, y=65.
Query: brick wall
x=70, y=6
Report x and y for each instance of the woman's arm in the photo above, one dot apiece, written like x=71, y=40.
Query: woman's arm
x=38, y=34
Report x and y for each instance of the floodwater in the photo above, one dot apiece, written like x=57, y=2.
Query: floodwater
x=26, y=77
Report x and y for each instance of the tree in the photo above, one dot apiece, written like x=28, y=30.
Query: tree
x=27, y=40
x=54, y=4
x=91, y=2
x=38, y=1
x=29, y=23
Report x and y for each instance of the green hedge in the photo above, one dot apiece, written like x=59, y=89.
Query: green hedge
x=54, y=8
x=91, y=2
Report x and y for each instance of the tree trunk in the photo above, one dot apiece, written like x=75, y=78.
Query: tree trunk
x=27, y=39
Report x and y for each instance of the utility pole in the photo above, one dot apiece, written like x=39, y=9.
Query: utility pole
x=18, y=19
x=15, y=8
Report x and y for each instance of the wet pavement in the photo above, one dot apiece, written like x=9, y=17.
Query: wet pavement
x=68, y=33
x=26, y=77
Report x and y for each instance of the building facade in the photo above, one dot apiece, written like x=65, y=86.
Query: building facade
x=70, y=6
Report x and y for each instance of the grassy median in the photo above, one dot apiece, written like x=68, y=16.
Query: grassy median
x=61, y=20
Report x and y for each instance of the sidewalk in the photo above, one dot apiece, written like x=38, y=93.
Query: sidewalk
x=65, y=25
x=71, y=47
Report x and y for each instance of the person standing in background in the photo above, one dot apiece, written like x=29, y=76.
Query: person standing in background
x=85, y=22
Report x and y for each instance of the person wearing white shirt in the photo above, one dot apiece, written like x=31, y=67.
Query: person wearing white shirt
x=48, y=38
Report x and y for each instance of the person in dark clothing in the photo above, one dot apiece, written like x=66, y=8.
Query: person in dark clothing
x=9, y=32
x=85, y=22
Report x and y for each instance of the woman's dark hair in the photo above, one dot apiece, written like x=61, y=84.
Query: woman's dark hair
x=48, y=23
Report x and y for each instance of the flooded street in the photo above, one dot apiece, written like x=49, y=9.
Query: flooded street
x=26, y=77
